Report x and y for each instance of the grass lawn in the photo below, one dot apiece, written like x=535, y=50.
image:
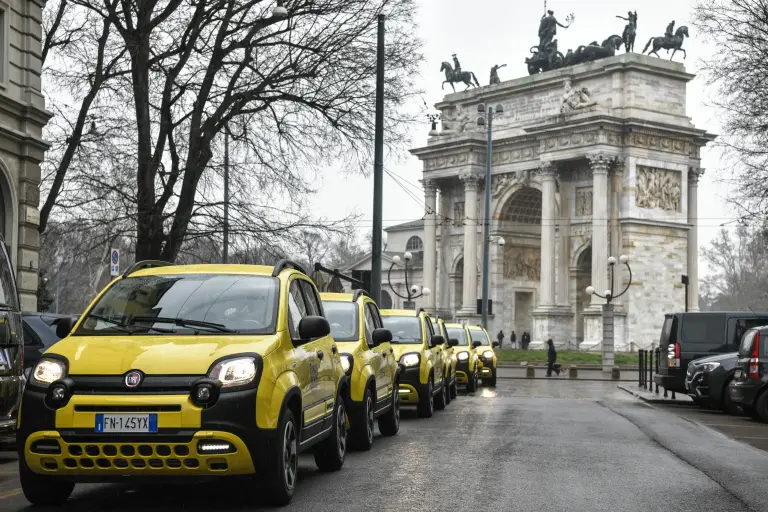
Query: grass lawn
x=565, y=356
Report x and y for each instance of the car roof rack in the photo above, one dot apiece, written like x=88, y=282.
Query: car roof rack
x=284, y=264
x=358, y=293
x=141, y=265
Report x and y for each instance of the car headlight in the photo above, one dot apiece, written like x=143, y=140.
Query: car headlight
x=234, y=372
x=708, y=367
x=488, y=354
x=463, y=356
x=49, y=370
x=412, y=359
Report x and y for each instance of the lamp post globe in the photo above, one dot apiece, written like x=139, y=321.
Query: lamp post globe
x=396, y=259
x=624, y=259
x=501, y=241
x=425, y=291
x=608, y=293
x=612, y=260
x=590, y=290
x=407, y=256
x=414, y=289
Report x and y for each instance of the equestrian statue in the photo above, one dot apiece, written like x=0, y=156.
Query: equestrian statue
x=668, y=41
x=456, y=75
x=630, y=30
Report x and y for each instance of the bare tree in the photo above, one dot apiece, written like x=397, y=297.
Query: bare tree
x=739, y=72
x=295, y=93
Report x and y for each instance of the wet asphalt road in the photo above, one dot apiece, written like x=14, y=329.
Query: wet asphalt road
x=529, y=445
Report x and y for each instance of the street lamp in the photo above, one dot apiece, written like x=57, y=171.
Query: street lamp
x=608, y=296
x=487, y=116
x=279, y=10
x=413, y=291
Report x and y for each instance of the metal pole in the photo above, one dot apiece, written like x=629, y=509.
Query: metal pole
x=226, y=194
x=608, y=337
x=640, y=368
x=686, y=297
x=378, y=168
x=650, y=371
x=487, y=219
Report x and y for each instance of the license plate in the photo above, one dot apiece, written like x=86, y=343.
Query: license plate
x=737, y=374
x=126, y=423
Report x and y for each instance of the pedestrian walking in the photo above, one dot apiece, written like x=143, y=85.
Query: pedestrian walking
x=526, y=340
x=513, y=339
x=500, y=337
x=551, y=358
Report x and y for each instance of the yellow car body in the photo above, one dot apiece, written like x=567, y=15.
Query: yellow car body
x=449, y=359
x=486, y=355
x=182, y=372
x=467, y=364
x=368, y=359
x=417, y=346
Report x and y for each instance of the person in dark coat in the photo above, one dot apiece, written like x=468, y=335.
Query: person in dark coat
x=526, y=340
x=500, y=337
x=513, y=339
x=551, y=358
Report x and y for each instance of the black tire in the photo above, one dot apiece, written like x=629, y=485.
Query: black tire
x=43, y=490
x=426, y=407
x=331, y=452
x=389, y=422
x=446, y=382
x=441, y=401
x=283, y=469
x=361, y=436
x=472, y=381
x=454, y=388
x=492, y=381
x=761, y=407
x=728, y=406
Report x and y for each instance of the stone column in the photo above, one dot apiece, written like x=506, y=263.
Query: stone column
x=548, y=222
x=430, y=244
x=616, y=177
x=693, y=238
x=564, y=227
x=469, y=300
x=445, y=256
x=600, y=164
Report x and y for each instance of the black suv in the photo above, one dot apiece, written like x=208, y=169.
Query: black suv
x=689, y=336
x=749, y=387
x=11, y=349
x=707, y=381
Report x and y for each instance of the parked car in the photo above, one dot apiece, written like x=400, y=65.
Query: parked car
x=749, y=387
x=483, y=346
x=467, y=361
x=689, y=336
x=11, y=350
x=39, y=335
x=707, y=379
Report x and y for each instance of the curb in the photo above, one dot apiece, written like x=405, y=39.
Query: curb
x=565, y=379
x=516, y=364
x=653, y=398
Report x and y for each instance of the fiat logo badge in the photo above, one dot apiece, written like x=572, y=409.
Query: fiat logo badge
x=132, y=379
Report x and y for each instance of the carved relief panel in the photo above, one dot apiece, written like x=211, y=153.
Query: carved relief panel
x=522, y=263
x=458, y=214
x=583, y=201
x=658, y=189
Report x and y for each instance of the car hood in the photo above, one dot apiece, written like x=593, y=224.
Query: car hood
x=399, y=349
x=155, y=355
x=720, y=358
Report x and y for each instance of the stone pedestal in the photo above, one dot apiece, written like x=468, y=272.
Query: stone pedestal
x=554, y=322
x=593, y=331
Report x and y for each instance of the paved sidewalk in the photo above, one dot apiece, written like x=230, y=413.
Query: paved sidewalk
x=652, y=398
x=541, y=373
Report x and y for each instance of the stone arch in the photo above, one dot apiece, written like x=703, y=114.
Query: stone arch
x=457, y=266
x=582, y=252
x=386, y=300
x=505, y=198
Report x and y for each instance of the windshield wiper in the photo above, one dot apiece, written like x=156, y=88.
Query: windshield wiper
x=183, y=322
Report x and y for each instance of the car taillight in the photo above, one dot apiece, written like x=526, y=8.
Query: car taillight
x=673, y=355
x=754, y=362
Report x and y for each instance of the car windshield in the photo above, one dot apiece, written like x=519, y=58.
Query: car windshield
x=343, y=319
x=405, y=329
x=186, y=304
x=460, y=334
x=481, y=337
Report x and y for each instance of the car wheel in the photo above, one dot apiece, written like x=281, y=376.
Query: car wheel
x=426, y=406
x=43, y=490
x=472, y=382
x=389, y=423
x=284, y=470
x=362, y=426
x=454, y=388
x=761, y=407
x=728, y=405
x=447, y=388
x=441, y=402
x=330, y=453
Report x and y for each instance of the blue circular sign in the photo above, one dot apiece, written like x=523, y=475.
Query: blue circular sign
x=115, y=257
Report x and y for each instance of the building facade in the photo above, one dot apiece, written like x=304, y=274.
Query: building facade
x=22, y=118
x=589, y=161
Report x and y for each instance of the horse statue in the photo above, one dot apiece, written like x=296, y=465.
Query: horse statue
x=464, y=76
x=544, y=59
x=665, y=43
x=594, y=51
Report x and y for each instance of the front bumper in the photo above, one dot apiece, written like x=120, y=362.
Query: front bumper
x=411, y=387
x=75, y=451
x=486, y=368
x=462, y=372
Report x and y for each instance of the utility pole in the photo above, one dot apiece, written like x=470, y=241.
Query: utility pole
x=226, y=193
x=487, y=219
x=378, y=169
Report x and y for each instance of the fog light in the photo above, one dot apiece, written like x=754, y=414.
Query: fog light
x=205, y=393
x=59, y=393
x=214, y=447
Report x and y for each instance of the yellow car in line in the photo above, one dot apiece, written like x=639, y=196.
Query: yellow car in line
x=418, y=347
x=449, y=359
x=486, y=354
x=187, y=372
x=467, y=365
x=368, y=359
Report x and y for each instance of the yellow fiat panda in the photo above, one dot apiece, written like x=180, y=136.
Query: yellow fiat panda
x=467, y=367
x=368, y=359
x=449, y=358
x=486, y=356
x=184, y=372
x=417, y=346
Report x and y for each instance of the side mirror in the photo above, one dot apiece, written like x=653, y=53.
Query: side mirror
x=476, y=344
x=453, y=342
x=495, y=344
x=65, y=326
x=437, y=340
x=313, y=327
x=380, y=336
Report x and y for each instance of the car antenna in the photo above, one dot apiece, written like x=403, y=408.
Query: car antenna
x=752, y=310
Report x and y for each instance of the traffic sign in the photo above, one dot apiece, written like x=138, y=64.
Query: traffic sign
x=114, y=262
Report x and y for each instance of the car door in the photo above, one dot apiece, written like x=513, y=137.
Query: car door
x=325, y=349
x=435, y=352
x=378, y=356
x=307, y=364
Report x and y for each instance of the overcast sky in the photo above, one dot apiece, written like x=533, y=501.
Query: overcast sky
x=487, y=32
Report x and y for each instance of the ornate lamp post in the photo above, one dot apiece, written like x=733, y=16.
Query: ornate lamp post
x=608, y=296
x=413, y=291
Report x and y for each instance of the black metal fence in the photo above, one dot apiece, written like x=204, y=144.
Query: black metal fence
x=648, y=366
